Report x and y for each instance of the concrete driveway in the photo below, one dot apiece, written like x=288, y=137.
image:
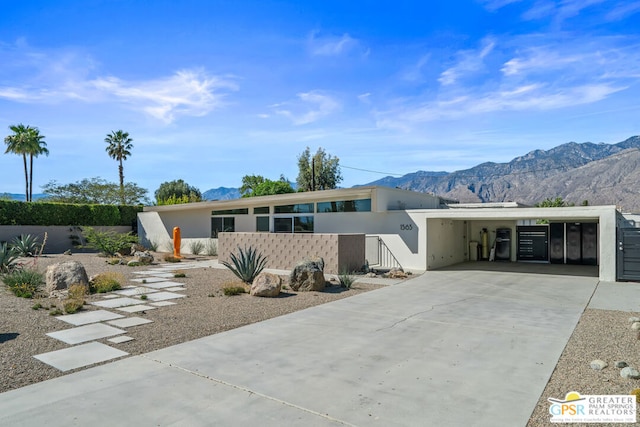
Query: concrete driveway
x=455, y=347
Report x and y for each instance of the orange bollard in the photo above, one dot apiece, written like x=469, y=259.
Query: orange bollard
x=176, y=242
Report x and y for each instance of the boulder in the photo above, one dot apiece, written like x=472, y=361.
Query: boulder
x=135, y=247
x=396, y=273
x=64, y=274
x=144, y=258
x=266, y=285
x=630, y=373
x=308, y=275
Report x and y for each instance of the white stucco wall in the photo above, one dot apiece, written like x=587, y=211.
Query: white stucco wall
x=446, y=242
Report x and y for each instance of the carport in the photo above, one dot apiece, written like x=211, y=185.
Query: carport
x=451, y=231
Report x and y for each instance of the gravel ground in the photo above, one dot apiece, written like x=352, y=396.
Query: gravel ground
x=205, y=311
x=600, y=334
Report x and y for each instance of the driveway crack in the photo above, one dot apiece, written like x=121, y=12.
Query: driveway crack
x=424, y=311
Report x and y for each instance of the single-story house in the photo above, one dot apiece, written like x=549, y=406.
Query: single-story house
x=389, y=227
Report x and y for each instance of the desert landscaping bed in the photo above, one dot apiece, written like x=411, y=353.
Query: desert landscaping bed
x=204, y=311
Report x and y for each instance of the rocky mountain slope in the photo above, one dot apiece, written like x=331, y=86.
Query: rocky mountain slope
x=599, y=173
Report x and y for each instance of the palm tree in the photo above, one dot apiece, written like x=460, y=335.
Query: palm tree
x=36, y=147
x=18, y=143
x=118, y=149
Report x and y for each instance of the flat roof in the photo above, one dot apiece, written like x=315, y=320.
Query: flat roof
x=288, y=198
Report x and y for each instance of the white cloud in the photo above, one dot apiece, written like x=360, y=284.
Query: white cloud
x=534, y=97
x=493, y=5
x=331, y=45
x=186, y=93
x=468, y=62
x=559, y=11
x=623, y=10
x=311, y=107
x=56, y=77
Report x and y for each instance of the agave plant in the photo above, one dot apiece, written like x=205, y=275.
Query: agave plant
x=7, y=258
x=247, y=264
x=26, y=245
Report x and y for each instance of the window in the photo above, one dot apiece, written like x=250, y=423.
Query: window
x=262, y=224
x=282, y=225
x=303, y=224
x=296, y=224
x=219, y=224
x=241, y=211
x=362, y=205
x=262, y=210
x=299, y=208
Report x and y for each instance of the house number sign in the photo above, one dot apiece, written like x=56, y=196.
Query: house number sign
x=406, y=227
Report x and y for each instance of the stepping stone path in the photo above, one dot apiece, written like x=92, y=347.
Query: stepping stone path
x=99, y=324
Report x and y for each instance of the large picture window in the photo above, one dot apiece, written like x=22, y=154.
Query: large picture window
x=220, y=224
x=299, y=208
x=362, y=205
x=296, y=224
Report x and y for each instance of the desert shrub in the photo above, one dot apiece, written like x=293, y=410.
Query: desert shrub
x=36, y=306
x=346, y=279
x=7, y=259
x=233, y=290
x=636, y=392
x=247, y=264
x=26, y=245
x=153, y=246
x=113, y=261
x=72, y=305
x=77, y=292
x=24, y=283
x=179, y=273
x=55, y=312
x=196, y=247
x=108, y=242
x=171, y=258
x=106, y=282
x=211, y=248
x=134, y=264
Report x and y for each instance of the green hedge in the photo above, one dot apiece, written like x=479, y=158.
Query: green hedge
x=41, y=213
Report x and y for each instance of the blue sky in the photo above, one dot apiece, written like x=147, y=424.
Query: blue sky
x=211, y=91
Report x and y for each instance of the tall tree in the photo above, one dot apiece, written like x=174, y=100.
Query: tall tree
x=118, y=149
x=94, y=191
x=256, y=185
x=26, y=140
x=36, y=147
x=320, y=172
x=175, y=192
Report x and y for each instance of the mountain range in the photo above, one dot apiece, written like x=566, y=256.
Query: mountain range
x=600, y=174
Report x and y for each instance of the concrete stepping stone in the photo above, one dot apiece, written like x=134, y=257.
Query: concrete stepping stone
x=79, y=356
x=136, y=291
x=110, y=296
x=116, y=302
x=163, y=274
x=162, y=303
x=162, y=296
x=120, y=339
x=162, y=285
x=85, y=333
x=136, y=308
x=174, y=289
x=129, y=321
x=79, y=319
x=150, y=279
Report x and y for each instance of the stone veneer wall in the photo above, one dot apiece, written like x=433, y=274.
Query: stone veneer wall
x=341, y=252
